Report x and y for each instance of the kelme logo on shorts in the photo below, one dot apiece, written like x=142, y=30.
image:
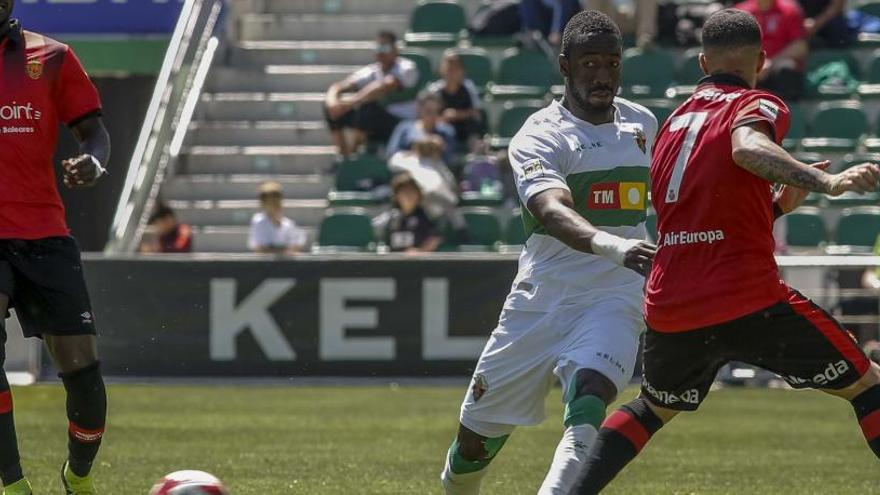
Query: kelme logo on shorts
x=617, y=196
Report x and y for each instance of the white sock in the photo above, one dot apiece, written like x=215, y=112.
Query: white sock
x=462, y=484
x=571, y=454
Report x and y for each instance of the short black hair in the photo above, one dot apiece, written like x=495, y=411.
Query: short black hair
x=731, y=28
x=585, y=23
x=387, y=36
x=162, y=211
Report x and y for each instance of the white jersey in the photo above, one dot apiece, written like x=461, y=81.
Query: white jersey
x=606, y=169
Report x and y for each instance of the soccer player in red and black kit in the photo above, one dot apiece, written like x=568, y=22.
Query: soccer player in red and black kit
x=42, y=85
x=714, y=294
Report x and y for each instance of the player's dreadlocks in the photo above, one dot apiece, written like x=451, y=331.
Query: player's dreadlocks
x=731, y=28
x=585, y=23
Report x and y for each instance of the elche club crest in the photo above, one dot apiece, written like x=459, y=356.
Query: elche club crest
x=641, y=140
x=34, y=68
x=479, y=388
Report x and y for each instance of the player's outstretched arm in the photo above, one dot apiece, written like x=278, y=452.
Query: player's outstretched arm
x=756, y=152
x=85, y=169
x=553, y=208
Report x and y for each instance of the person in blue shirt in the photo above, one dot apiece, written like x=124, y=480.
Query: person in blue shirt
x=428, y=122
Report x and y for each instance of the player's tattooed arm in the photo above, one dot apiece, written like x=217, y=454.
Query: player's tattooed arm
x=756, y=152
x=554, y=209
x=94, y=141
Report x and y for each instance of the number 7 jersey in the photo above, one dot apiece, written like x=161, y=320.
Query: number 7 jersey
x=714, y=218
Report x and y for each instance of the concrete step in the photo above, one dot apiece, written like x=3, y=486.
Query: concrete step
x=260, y=133
x=261, y=106
x=289, y=160
x=261, y=53
x=306, y=213
x=278, y=78
x=199, y=187
x=319, y=26
x=349, y=6
x=218, y=239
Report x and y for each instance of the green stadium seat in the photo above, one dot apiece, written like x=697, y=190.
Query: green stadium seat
x=515, y=233
x=870, y=88
x=479, y=198
x=689, y=72
x=477, y=65
x=805, y=228
x=356, y=181
x=349, y=230
x=435, y=23
x=871, y=7
x=522, y=74
x=798, y=128
x=822, y=57
x=484, y=229
x=837, y=127
x=854, y=199
x=661, y=108
x=513, y=116
x=426, y=73
x=856, y=159
x=647, y=74
x=859, y=227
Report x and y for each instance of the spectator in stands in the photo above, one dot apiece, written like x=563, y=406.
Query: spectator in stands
x=547, y=18
x=362, y=109
x=428, y=123
x=167, y=235
x=271, y=231
x=460, y=100
x=635, y=17
x=785, y=41
x=825, y=20
x=434, y=178
x=409, y=229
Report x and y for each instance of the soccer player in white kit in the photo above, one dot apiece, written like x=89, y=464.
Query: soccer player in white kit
x=574, y=312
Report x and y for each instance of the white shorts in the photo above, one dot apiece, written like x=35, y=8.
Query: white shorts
x=528, y=351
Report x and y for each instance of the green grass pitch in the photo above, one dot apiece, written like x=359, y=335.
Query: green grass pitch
x=392, y=440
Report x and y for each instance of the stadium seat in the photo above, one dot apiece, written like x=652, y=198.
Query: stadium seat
x=484, y=229
x=825, y=91
x=435, y=23
x=477, y=65
x=870, y=88
x=522, y=74
x=798, y=128
x=837, y=127
x=357, y=180
x=859, y=227
x=514, y=233
x=805, y=228
x=856, y=159
x=871, y=7
x=513, y=116
x=349, y=230
x=661, y=108
x=426, y=74
x=689, y=73
x=648, y=74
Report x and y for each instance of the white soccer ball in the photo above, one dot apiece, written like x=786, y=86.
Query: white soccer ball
x=189, y=483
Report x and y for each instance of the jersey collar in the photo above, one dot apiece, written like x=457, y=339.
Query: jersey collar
x=726, y=79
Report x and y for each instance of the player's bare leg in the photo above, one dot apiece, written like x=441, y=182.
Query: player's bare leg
x=591, y=393
x=11, y=473
x=76, y=356
x=622, y=436
x=864, y=395
x=468, y=458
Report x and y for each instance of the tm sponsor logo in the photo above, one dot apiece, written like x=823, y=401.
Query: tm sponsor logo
x=691, y=396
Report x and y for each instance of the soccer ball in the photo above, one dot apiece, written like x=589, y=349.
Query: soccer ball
x=189, y=483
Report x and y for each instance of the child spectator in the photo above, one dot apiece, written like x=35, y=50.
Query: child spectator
x=436, y=181
x=460, y=97
x=271, y=231
x=428, y=123
x=171, y=236
x=409, y=229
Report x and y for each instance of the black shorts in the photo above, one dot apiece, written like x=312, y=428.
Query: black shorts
x=795, y=339
x=371, y=118
x=44, y=281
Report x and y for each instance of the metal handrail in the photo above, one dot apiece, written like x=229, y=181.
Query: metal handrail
x=180, y=80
